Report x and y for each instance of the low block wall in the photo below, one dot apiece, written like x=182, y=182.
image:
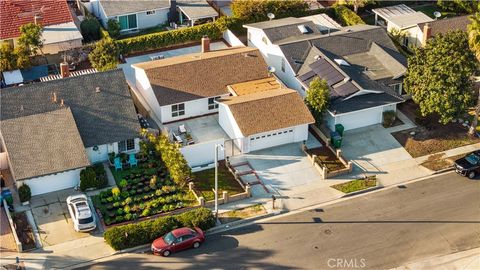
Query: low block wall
x=12, y=227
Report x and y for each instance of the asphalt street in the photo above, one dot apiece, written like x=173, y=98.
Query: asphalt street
x=381, y=230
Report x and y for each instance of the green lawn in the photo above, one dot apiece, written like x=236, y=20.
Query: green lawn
x=356, y=185
x=205, y=182
x=430, y=9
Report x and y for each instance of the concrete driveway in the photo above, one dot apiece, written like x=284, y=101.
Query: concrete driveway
x=373, y=150
x=53, y=220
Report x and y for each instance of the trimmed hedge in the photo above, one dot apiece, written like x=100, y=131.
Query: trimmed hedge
x=24, y=193
x=345, y=16
x=93, y=177
x=144, y=232
x=167, y=38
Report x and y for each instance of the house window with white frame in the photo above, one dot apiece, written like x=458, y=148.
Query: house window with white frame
x=283, y=64
x=398, y=88
x=212, y=105
x=126, y=145
x=178, y=109
x=128, y=22
x=150, y=12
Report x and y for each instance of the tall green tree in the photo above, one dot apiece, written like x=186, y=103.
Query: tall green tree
x=104, y=55
x=355, y=3
x=8, y=59
x=459, y=6
x=113, y=28
x=439, y=76
x=90, y=28
x=31, y=37
x=317, y=97
x=474, y=34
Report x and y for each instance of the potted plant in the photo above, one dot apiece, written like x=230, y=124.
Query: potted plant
x=25, y=194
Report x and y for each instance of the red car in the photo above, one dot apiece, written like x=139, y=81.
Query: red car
x=176, y=240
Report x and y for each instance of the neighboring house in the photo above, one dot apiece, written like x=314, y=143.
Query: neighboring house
x=362, y=66
x=132, y=15
x=402, y=19
x=441, y=26
x=187, y=86
x=195, y=11
x=59, y=30
x=263, y=114
x=51, y=130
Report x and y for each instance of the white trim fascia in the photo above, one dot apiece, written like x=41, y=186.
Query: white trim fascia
x=340, y=114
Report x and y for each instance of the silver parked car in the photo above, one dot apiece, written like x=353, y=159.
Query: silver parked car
x=82, y=217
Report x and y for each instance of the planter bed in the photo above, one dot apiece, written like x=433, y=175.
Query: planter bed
x=326, y=158
x=243, y=213
x=357, y=185
x=205, y=182
x=24, y=231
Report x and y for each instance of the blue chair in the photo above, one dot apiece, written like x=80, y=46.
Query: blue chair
x=118, y=164
x=132, y=160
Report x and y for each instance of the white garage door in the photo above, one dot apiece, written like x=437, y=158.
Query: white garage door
x=266, y=140
x=361, y=118
x=53, y=182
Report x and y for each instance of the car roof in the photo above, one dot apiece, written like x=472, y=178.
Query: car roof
x=181, y=231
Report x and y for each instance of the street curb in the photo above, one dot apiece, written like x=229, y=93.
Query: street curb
x=443, y=170
x=132, y=249
x=234, y=224
x=362, y=191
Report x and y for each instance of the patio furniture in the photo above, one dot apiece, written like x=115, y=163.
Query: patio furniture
x=177, y=138
x=132, y=160
x=157, y=57
x=182, y=129
x=118, y=164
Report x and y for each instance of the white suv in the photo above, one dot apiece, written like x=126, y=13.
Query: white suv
x=82, y=217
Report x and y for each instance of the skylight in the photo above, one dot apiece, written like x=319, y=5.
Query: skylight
x=341, y=62
x=304, y=29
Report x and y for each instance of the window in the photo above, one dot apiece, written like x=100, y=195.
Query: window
x=128, y=22
x=283, y=64
x=150, y=12
x=251, y=139
x=264, y=39
x=211, y=103
x=178, y=109
x=126, y=145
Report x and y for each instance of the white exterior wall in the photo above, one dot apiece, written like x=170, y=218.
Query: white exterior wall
x=273, y=56
x=229, y=125
x=146, y=21
x=358, y=119
x=202, y=153
x=231, y=39
x=101, y=154
x=145, y=89
x=193, y=108
x=98, y=11
x=54, y=48
x=413, y=34
x=53, y=182
x=300, y=133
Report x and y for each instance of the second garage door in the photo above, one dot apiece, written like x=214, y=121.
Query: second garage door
x=266, y=140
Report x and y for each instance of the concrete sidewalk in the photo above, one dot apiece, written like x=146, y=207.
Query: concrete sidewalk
x=465, y=260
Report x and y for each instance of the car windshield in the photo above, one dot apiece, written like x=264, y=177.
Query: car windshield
x=85, y=220
x=169, y=238
x=473, y=159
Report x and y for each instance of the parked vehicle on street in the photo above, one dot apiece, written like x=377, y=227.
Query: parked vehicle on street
x=81, y=214
x=177, y=240
x=469, y=165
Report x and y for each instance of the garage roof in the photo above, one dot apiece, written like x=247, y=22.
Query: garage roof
x=43, y=144
x=196, y=9
x=268, y=111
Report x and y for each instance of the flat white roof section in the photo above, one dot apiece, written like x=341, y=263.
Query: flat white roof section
x=60, y=33
x=402, y=15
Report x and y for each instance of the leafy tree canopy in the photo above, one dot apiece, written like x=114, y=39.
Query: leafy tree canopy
x=113, y=28
x=31, y=37
x=317, y=97
x=439, y=76
x=257, y=10
x=90, y=28
x=104, y=55
x=474, y=34
x=459, y=6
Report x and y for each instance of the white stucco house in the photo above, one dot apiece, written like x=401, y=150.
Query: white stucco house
x=52, y=130
x=60, y=33
x=193, y=97
x=361, y=65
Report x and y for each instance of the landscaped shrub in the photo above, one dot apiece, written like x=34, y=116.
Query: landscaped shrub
x=144, y=232
x=388, y=118
x=90, y=28
x=167, y=38
x=93, y=177
x=257, y=10
x=113, y=28
x=24, y=193
x=104, y=55
x=345, y=16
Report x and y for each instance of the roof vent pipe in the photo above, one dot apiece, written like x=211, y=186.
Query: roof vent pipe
x=97, y=89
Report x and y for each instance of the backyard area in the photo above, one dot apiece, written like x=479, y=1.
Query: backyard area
x=205, y=182
x=430, y=136
x=142, y=191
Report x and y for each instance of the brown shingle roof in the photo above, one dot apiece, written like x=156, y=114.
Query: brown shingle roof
x=268, y=111
x=43, y=144
x=444, y=25
x=250, y=87
x=199, y=75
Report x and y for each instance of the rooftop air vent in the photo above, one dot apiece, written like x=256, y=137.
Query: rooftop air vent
x=304, y=29
x=316, y=57
x=97, y=89
x=341, y=62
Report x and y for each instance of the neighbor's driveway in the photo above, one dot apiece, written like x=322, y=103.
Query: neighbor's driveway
x=53, y=219
x=375, y=151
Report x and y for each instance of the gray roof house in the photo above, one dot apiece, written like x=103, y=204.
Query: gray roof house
x=51, y=130
x=361, y=65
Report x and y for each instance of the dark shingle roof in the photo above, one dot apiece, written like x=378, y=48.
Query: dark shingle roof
x=287, y=28
x=361, y=102
x=42, y=144
x=448, y=24
x=120, y=7
x=104, y=117
x=200, y=75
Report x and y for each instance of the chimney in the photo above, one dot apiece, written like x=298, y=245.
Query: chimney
x=64, y=71
x=62, y=103
x=54, y=97
x=37, y=19
x=427, y=33
x=205, y=44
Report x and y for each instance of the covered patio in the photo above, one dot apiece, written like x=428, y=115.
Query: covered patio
x=194, y=11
